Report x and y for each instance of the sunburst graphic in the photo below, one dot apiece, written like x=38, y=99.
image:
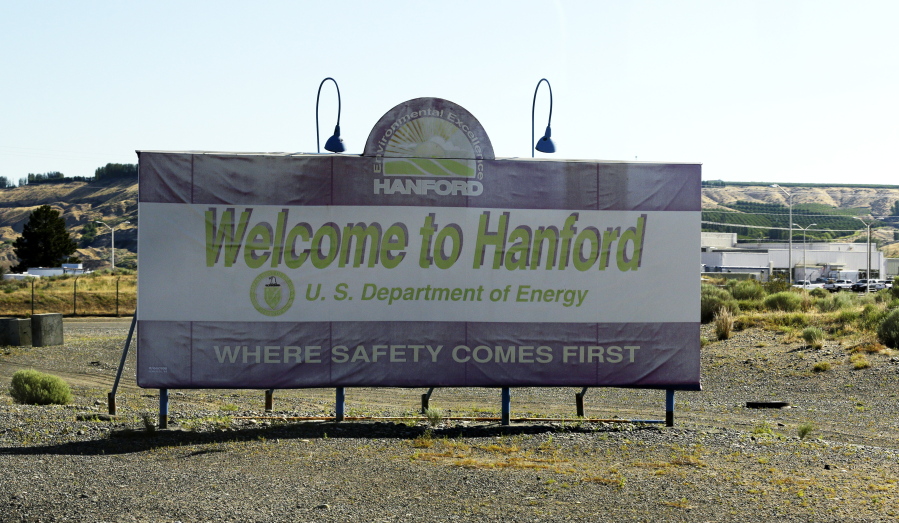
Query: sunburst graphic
x=412, y=145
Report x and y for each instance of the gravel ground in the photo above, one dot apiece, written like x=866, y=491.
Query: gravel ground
x=224, y=459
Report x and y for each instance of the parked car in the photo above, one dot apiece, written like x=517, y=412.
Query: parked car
x=872, y=284
x=838, y=285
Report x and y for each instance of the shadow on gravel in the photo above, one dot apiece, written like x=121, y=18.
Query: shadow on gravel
x=129, y=441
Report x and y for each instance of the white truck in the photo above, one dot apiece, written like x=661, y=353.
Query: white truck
x=838, y=285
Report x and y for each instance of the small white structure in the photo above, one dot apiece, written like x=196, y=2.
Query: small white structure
x=810, y=260
x=37, y=272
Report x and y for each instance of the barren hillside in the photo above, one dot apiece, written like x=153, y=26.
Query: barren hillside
x=79, y=204
x=879, y=201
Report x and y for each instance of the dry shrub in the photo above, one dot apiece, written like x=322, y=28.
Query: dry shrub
x=791, y=319
x=869, y=348
x=871, y=317
x=750, y=305
x=818, y=293
x=835, y=302
x=747, y=290
x=724, y=324
x=888, y=331
x=847, y=316
x=713, y=299
x=783, y=301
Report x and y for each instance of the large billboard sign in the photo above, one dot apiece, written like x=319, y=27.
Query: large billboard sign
x=425, y=261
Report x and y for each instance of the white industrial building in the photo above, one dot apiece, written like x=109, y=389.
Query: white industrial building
x=721, y=253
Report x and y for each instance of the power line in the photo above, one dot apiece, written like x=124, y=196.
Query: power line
x=777, y=228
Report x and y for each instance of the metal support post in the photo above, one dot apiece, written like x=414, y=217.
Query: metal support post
x=163, y=408
x=579, y=402
x=110, y=398
x=269, y=400
x=669, y=408
x=425, y=400
x=340, y=406
x=507, y=406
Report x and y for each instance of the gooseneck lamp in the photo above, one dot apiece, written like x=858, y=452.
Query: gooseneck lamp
x=545, y=144
x=335, y=142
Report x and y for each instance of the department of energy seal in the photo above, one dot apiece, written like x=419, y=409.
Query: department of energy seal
x=272, y=293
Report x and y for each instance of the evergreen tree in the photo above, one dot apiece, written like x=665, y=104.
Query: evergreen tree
x=88, y=233
x=45, y=242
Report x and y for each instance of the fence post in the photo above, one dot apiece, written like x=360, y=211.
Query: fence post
x=269, y=400
x=75, y=298
x=579, y=402
x=32, y=295
x=117, y=296
x=506, y=417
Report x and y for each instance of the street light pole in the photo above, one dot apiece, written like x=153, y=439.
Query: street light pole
x=111, y=243
x=804, y=264
x=790, y=203
x=868, y=272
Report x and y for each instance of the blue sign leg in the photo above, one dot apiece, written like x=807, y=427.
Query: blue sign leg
x=669, y=408
x=507, y=406
x=340, y=407
x=163, y=408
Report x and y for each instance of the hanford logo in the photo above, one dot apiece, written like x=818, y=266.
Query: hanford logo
x=429, y=146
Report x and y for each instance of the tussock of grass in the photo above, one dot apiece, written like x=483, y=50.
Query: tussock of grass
x=814, y=337
x=859, y=361
x=821, y=366
x=804, y=429
x=869, y=348
x=425, y=441
x=724, y=324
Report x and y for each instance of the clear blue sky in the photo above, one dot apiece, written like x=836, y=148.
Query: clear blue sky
x=779, y=91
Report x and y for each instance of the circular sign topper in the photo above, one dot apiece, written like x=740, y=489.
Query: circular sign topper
x=429, y=137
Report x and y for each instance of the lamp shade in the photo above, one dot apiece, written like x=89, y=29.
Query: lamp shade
x=545, y=144
x=335, y=142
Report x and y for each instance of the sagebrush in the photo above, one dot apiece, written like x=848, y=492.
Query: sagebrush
x=783, y=301
x=888, y=331
x=31, y=387
x=713, y=299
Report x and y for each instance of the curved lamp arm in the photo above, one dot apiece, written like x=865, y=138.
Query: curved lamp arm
x=334, y=143
x=545, y=144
